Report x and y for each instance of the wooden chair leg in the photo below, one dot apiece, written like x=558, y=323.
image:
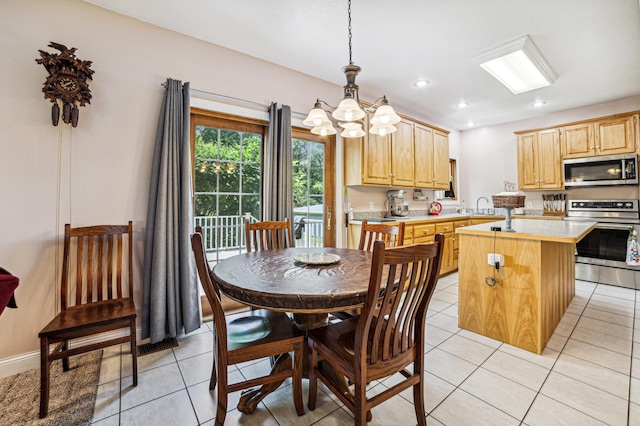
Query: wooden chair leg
x=221, y=410
x=313, y=379
x=360, y=403
x=134, y=353
x=297, y=378
x=65, y=360
x=44, y=377
x=418, y=401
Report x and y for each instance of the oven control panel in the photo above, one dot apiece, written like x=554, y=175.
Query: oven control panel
x=615, y=205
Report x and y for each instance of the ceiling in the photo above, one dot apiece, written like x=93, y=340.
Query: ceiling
x=592, y=45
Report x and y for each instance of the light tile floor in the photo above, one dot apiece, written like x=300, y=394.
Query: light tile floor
x=589, y=374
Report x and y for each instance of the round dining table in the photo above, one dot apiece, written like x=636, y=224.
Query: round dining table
x=310, y=283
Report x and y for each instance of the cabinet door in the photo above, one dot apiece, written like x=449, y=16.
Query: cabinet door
x=423, y=148
x=440, y=160
x=549, y=160
x=402, y=155
x=528, y=161
x=376, y=168
x=616, y=135
x=577, y=140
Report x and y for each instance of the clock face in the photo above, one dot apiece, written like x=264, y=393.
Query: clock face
x=68, y=84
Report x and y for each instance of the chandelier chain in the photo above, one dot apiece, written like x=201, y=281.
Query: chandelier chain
x=349, y=13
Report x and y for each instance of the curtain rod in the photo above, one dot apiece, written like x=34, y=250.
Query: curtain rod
x=266, y=107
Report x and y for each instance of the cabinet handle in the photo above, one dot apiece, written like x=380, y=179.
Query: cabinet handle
x=598, y=147
x=445, y=227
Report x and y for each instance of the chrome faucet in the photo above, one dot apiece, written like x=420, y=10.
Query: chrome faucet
x=478, y=203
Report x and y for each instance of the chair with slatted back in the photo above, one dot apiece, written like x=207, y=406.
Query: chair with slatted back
x=373, y=345
x=268, y=235
x=96, y=296
x=227, y=303
x=392, y=235
x=249, y=336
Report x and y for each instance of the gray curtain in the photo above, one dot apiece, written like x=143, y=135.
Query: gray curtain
x=277, y=182
x=170, y=289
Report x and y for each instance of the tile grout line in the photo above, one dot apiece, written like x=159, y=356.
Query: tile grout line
x=556, y=360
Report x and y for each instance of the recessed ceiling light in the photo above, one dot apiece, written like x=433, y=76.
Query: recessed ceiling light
x=462, y=104
x=518, y=65
x=421, y=83
x=470, y=123
x=538, y=104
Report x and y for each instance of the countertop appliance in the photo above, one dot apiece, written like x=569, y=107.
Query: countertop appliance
x=604, y=170
x=396, y=206
x=601, y=255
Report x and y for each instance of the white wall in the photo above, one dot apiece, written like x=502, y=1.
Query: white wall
x=489, y=155
x=104, y=176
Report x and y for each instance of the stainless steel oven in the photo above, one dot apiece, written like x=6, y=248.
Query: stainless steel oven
x=601, y=255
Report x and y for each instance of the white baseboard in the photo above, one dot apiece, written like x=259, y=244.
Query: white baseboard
x=29, y=360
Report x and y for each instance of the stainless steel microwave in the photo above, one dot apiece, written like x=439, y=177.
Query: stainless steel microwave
x=604, y=170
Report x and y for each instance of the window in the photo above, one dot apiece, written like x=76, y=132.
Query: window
x=227, y=180
x=452, y=193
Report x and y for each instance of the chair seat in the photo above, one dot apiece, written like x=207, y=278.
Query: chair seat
x=90, y=315
x=281, y=328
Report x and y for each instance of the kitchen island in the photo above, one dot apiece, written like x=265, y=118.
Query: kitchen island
x=521, y=302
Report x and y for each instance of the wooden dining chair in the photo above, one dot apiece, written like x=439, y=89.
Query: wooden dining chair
x=96, y=296
x=392, y=235
x=249, y=336
x=373, y=345
x=269, y=235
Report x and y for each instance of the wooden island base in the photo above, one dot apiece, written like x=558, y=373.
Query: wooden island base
x=531, y=292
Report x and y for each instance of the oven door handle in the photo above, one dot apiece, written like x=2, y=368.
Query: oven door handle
x=614, y=226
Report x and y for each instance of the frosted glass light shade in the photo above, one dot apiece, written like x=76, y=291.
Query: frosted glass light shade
x=317, y=117
x=348, y=110
x=385, y=115
x=382, y=129
x=352, y=130
x=324, y=130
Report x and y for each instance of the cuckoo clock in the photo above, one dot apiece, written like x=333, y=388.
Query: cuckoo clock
x=67, y=83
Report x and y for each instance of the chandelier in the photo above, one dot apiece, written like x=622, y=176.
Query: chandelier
x=350, y=112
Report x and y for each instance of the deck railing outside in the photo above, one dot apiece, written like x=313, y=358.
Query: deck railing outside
x=224, y=236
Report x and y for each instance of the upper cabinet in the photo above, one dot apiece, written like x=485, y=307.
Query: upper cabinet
x=415, y=156
x=539, y=160
x=604, y=136
x=432, y=158
x=541, y=151
x=402, y=153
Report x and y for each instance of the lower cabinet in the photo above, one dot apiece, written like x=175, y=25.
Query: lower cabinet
x=419, y=232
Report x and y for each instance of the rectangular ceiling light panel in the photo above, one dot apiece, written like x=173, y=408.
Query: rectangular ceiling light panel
x=518, y=65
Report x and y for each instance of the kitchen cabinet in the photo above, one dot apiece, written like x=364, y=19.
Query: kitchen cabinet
x=456, y=240
x=577, y=140
x=432, y=158
x=606, y=136
x=616, y=135
x=540, y=160
x=415, y=156
x=402, y=153
x=446, y=228
x=381, y=160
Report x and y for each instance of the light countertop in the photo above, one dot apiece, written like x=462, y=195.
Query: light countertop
x=527, y=229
